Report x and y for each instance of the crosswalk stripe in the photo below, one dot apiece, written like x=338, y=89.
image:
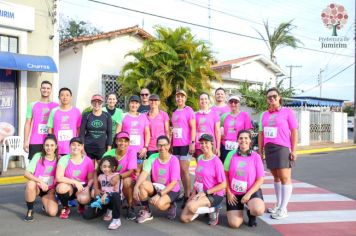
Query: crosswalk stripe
x=295, y=185
x=310, y=198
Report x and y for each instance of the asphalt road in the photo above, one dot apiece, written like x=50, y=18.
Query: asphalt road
x=333, y=171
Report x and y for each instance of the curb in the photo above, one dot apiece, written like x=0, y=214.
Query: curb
x=328, y=149
x=13, y=180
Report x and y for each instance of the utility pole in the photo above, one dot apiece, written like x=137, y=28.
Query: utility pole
x=290, y=74
x=209, y=19
x=320, y=78
x=355, y=84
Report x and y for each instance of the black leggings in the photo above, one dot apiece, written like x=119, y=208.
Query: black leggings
x=115, y=203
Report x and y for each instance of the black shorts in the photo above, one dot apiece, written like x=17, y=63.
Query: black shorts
x=75, y=190
x=277, y=157
x=33, y=149
x=214, y=200
x=43, y=193
x=240, y=206
x=96, y=154
x=172, y=195
x=181, y=150
x=149, y=153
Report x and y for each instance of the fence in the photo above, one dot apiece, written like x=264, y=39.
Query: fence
x=111, y=85
x=320, y=126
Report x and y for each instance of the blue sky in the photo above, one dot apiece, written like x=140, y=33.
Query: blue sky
x=244, y=17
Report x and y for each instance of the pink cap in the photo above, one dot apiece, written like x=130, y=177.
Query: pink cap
x=97, y=97
x=123, y=134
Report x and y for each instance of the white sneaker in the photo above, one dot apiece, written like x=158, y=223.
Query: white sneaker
x=273, y=209
x=280, y=214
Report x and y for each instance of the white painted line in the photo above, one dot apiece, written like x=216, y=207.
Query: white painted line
x=299, y=217
x=268, y=177
x=310, y=198
x=295, y=185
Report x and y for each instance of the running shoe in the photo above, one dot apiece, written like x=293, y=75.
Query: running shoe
x=251, y=219
x=280, y=214
x=108, y=215
x=43, y=208
x=64, y=213
x=172, y=211
x=145, y=216
x=72, y=203
x=115, y=224
x=214, y=217
x=81, y=208
x=273, y=209
x=29, y=216
x=130, y=213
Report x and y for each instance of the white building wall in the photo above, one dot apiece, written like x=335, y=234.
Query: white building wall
x=339, y=127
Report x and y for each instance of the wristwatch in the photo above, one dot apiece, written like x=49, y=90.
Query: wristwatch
x=193, y=142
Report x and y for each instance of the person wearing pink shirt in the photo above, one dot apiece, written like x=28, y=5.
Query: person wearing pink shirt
x=209, y=185
x=137, y=125
x=244, y=175
x=207, y=122
x=232, y=122
x=163, y=189
x=277, y=139
x=158, y=122
x=127, y=164
x=220, y=106
x=41, y=178
x=183, y=139
x=74, y=175
x=64, y=121
x=36, y=120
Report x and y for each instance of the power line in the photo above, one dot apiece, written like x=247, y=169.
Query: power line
x=206, y=27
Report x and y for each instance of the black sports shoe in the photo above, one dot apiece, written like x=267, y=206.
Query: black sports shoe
x=251, y=219
x=29, y=216
x=130, y=214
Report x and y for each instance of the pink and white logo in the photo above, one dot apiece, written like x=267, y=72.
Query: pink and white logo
x=334, y=17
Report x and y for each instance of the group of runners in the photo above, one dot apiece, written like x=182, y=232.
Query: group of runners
x=109, y=160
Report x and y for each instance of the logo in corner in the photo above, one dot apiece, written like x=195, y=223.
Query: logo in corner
x=334, y=17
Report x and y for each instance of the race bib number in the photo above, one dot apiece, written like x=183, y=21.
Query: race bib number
x=239, y=186
x=47, y=180
x=65, y=135
x=198, y=186
x=42, y=129
x=270, y=132
x=177, y=132
x=230, y=145
x=159, y=187
x=135, y=140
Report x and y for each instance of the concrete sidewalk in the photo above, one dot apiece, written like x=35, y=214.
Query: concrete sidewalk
x=15, y=175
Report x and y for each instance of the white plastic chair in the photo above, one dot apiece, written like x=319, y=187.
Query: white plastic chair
x=13, y=146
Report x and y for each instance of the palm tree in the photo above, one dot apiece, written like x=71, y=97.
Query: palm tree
x=171, y=61
x=281, y=36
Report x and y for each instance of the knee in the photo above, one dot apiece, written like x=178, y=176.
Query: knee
x=235, y=224
x=192, y=207
x=257, y=211
x=31, y=185
x=62, y=188
x=285, y=179
x=161, y=206
x=83, y=199
x=52, y=211
x=184, y=219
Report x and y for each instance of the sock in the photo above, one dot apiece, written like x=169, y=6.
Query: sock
x=286, y=194
x=30, y=205
x=146, y=205
x=64, y=199
x=277, y=189
x=203, y=210
x=115, y=221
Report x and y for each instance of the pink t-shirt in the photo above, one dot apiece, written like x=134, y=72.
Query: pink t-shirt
x=105, y=183
x=39, y=113
x=127, y=162
x=163, y=173
x=233, y=124
x=220, y=110
x=135, y=126
x=46, y=171
x=79, y=171
x=208, y=174
x=243, y=171
x=181, y=128
x=156, y=128
x=205, y=123
x=65, y=126
x=276, y=126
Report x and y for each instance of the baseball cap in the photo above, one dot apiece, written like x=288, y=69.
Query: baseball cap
x=97, y=97
x=234, y=97
x=181, y=91
x=76, y=140
x=135, y=98
x=154, y=97
x=206, y=137
x=123, y=134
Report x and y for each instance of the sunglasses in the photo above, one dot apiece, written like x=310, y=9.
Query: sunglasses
x=234, y=102
x=144, y=94
x=272, y=96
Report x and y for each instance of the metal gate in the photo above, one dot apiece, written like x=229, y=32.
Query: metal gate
x=110, y=85
x=320, y=126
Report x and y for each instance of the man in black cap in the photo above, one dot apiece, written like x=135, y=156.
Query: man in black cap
x=144, y=107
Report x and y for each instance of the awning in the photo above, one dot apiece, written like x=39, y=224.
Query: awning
x=14, y=61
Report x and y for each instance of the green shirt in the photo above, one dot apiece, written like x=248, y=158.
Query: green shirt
x=111, y=152
x=147, y=165
x=33, y=163
x=117, y=118
x=228, y=160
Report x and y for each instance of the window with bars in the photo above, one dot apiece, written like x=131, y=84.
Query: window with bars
x=8, y=44
x=110, y=85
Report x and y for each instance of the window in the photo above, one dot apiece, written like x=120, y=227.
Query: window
x=110, y=85
x=8, y=44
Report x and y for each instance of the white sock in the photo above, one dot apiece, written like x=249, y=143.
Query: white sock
x=116, y=221
x=194, y=217
x=278, y=191
x=286, y=194
x=203, y=210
